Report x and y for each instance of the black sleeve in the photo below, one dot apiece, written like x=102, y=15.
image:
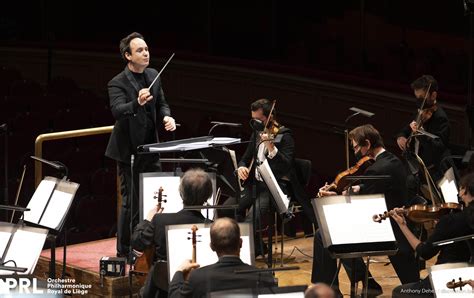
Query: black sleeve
x=179, y=287
x=142, y=236
x=281, y=163
x=161, y=103
x=121, y=106
x=442, y=231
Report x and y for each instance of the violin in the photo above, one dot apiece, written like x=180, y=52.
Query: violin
x=193, y=239
x=339, y=184
x=421, y=213
x=144, y=262
x=457, y=284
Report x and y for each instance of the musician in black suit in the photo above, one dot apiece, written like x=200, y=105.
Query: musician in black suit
x=134, y=108
x=366, y=141
x=452, y=225
x=280, y=157
x=435, y=121
x=226, y=242
x=195, y=189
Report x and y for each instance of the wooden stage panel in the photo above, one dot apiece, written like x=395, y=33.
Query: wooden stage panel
x=82, y=265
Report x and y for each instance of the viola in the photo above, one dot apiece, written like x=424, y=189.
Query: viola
x=144, y=262
x=457, y=284
x=339, y=184
x=421, y=213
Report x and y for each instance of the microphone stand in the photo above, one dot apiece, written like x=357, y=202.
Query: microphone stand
x=4, y=130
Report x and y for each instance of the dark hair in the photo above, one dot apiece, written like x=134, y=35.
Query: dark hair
x=265, y=105
x=125, y=44
x=195, y=187
x=366, y=132
x=424, y=82
x=225, y=236
x=467, y=183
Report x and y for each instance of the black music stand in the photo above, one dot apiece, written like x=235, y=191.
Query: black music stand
x=366, y=238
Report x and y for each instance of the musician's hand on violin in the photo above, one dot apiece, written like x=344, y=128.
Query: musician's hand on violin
x=137, y=253
x=152, y=213
x=402, y=143
x=268, y=141
x=243, y=173
x=144, y=96
x=186, y=267
x=170, y=124
x=397, y=215
x=413, y=126
x=323, y=191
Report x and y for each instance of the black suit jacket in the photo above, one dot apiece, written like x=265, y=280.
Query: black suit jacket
x=395, y=188
x=218, y=277
x=151, y=233
x=131, y=119
x=432, y=151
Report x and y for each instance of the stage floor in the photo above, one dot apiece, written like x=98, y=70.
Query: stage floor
x=83, y=267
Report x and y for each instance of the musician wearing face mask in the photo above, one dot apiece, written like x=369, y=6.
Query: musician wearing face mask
x=280, y=157
x=431, y=119
x=366, y=141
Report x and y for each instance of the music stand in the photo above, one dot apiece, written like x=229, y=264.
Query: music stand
x=177, y=239
x=365, y=238
x=49, y=207
x=150, y=184
x=440, y=275
x=262, y=292
x=20, y=245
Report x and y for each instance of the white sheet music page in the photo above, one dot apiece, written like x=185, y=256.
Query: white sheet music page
x=440, y=279
x=25, y=250
x=180, y=248
x=38, y=201
x=350, y=223
x=270, y=180
x=56, y=210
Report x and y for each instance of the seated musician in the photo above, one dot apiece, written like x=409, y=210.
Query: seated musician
x=280, y=157
x=366, y=141
x=434, y=120
x=452, y=225
x=226, y=242
x=195, y=189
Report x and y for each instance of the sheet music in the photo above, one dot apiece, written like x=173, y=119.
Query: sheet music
x=180, y=248
x=440, y=278
x=57, y=208
x=362, y=228
x=38, y=201
x=195, y=145
x=282, y=200
x=25, y=250
x=448, y=187
x=174, y=202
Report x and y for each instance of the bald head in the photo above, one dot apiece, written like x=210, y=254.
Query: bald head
x=225, y=237
x=319, y=290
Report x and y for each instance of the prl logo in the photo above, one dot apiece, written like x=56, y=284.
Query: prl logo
x=21, y=285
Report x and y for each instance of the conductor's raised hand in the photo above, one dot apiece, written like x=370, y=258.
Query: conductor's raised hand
x=144, y=96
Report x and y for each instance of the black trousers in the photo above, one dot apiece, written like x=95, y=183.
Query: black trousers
x=143, y=163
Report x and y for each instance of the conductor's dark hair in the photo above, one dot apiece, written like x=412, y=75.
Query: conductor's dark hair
x=125, y=44
x=195, y=187
x=225, y=236
x=366, y=132
x=265, y=105
x=424, y=82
